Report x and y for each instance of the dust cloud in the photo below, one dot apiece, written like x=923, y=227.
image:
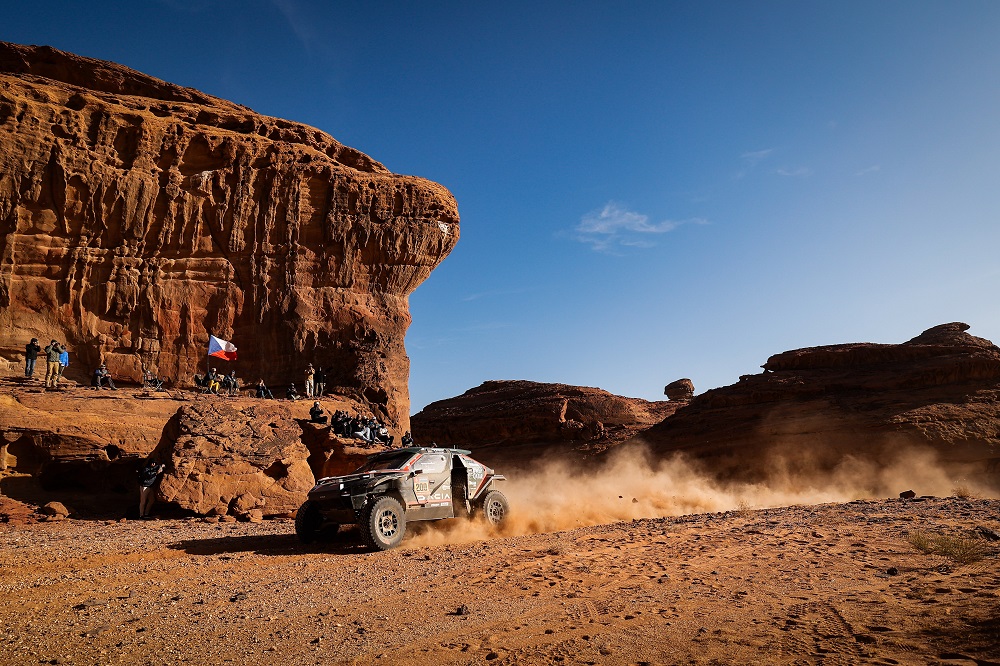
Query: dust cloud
x=632, y=484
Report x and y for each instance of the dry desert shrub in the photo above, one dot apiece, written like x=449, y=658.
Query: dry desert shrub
x=963, y=492
x=959, y=549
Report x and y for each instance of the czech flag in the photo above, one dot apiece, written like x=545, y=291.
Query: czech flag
x=221, y=348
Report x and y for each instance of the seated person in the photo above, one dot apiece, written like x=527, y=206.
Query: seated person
x=102, y=378
x=212, y=381
x=407, y=440
x=317, y=414
x=263, y=391
x=233, y=384
x=291, y=393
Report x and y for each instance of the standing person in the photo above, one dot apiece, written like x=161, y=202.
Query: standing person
x=63, y=359
x=148, y=475
x=310, y=380
x=30, y=356
x=320, y=386
x=52, y=365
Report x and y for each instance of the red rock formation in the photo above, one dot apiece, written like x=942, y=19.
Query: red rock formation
x=511, y=421
x=137, y=216
x=681, y=390
x=939, y=390
x=237, y=457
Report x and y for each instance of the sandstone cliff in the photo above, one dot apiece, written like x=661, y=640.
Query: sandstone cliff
x=137, y=216
x=506, y=422
x=811, y=407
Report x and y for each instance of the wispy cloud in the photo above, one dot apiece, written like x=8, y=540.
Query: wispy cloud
x=797, y=172
x=755, y=157
x=615, y=226
x=872, y=169
x=751, y=159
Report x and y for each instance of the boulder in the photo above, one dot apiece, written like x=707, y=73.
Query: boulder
x=140, y=216
x=234, y=459
x=681, y=390
x=55, y=510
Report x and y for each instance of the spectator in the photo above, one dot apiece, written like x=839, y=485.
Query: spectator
x=263, y=391
x=317, y=414
x=212, y=381
x=52, y=365
x=310, y=380
x=101, y=377
x=232, y=384
x=320, y=385
x=407, y=440
x=291, y=393
x=63, y=360
x=30, y=357
x=148, y=475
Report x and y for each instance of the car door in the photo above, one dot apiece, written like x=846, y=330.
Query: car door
x=432, y=483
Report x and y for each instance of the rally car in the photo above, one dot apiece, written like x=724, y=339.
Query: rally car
x=400, y=486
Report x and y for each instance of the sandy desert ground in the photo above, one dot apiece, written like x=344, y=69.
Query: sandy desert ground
x=821, y=584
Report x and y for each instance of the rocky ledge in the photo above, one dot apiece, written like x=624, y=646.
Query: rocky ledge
x=813, y=408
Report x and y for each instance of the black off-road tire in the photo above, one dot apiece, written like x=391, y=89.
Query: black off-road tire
x=494, y=507
x=308, y=522
x=383, y=523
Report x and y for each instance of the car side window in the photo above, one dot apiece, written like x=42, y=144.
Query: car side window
x=432, y=463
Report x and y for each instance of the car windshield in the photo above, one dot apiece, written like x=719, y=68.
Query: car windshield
x=395, y=460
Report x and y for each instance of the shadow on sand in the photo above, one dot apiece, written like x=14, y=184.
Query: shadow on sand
x=346, y=542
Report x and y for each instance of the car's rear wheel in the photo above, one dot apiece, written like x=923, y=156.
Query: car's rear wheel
x=308, y=521
x=383, y=524
x=495, y=508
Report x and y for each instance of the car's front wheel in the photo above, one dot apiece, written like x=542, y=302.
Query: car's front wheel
x=495, y=507
x=383, y=524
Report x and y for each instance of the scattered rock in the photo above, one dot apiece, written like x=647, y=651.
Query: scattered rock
x=55, y=509
x=987, y=533
x=907, y=494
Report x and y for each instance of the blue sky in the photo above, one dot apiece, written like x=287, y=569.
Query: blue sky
x=648, y=190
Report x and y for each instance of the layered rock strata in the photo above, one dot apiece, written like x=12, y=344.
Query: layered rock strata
x=810, y=408
x=137, y=217
x=511, y=421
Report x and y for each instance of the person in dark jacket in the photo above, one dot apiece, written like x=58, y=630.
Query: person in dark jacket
x=101, y=377
x=148, y=475
x=316, y=414
x=31, y=356
x=319, y=385
x=263, y=391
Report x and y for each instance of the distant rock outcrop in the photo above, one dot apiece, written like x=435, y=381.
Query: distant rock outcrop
x=137, y=216
x=521, y=420
x=939, y=390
